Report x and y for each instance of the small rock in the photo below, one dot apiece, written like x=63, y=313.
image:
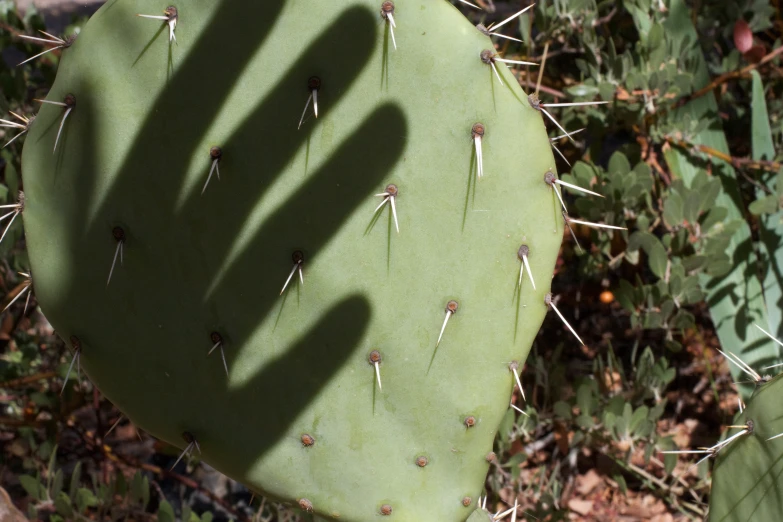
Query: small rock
x=587, y=482
x=582, y=507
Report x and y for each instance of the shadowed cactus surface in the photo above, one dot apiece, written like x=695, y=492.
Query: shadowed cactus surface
x=334, y=395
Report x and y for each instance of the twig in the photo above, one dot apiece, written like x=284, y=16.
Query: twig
x=486, y=5
x=558, y=52
x=723, y=78
x=680, y=479
x=655, y=480
x=605, y=19
x=14, y=31
x=13, y=293
x=549, y=90
x=543, y=67
x=539, y=444
x=32, y=423
x=738, y=163
x=15, y=383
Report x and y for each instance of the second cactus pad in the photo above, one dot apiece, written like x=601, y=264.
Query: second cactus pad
x=746, y=482
x=334, y=395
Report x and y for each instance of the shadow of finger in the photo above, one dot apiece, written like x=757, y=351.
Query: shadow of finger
x=185, y=109
x=285, y=388
x=261, y=148
x=310, y=218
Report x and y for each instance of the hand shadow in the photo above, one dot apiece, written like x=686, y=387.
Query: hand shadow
x=160, y=301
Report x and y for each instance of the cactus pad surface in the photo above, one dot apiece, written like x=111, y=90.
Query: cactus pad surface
x=297, y=412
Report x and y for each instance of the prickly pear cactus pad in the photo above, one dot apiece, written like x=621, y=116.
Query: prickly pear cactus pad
x=188, y=188
x=747, y=479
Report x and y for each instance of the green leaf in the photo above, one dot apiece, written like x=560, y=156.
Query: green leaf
x=85, y=499
x=625, y=296
x=563, y=410
x=525, y=27
x=718, y=268
x=656, y=253
x=507, y=425
x=585, y=398
x=715, y=216
x=658, y=259
x=166, y=512
x=11, y=181
x=639, y=416
x=46, y=450
x=621, y=422
x=619, y=164
x=585, y=422
x=514, y=463
x=610, y=419
x=692, y=207
x=771, y=220
x=62, y=503
x=42, y=399
x=76, y=478
x=135, y=487
x=140, y=489
x=57, y=484
x=104, y=494
x=641, y=20
x=31, y=485
x=761, y=133
x=145, y=499
x=672, y=210
x=621, y=483
x=683, y=320
x=657, y=411
x=765, y=205
x=669, y=462
x=709, y=193
x=120, y=484
x=607, y=90
x=581, y=90
x=655, y=38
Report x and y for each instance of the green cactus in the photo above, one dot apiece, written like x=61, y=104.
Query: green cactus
x=745, y=479
x=147, y=264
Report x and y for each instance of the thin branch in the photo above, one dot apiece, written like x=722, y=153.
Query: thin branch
x=723, y=78
x=738, y=163
x=549, y=90
x=543, y=67
x=30, y=379
x=13, y=30
x=605, y=19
